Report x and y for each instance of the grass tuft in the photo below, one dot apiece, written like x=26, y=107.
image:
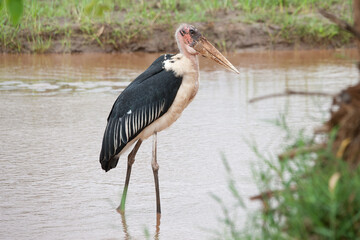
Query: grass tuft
x=296, y=20
x=314, y=195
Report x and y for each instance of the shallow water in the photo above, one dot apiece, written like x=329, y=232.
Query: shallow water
x=53, y=113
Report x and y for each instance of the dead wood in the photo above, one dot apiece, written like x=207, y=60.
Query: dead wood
x=289, y=92
x=269, y=194
x=341, y=23
x=345, y=115
x=293, y=152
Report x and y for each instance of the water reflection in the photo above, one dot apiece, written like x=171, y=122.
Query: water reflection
x=157, y=232
x=53, y=112
x=124, y=225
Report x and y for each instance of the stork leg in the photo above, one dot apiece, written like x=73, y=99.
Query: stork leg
x=131, y=160
x=155, y=168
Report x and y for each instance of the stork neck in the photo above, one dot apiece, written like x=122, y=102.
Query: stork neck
x=184, y=51
x=192, y=57
x=194, y=60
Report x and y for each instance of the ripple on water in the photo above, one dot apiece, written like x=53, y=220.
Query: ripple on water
x=55, y=87
x=51, y=183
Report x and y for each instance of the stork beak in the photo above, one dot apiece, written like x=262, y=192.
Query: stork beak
x=206, y=49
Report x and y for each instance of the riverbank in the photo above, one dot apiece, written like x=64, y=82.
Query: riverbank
x=121, y=26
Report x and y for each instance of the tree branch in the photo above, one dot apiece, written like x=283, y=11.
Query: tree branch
x=341, y=23
x=293, y=152
x=269, y=194
x=289, y=92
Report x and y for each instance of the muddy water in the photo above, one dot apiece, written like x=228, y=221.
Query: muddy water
x=52, y=116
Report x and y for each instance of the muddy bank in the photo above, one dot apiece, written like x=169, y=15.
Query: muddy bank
x=225, y=35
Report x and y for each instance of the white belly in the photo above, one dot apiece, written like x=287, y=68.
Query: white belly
x=186, y=93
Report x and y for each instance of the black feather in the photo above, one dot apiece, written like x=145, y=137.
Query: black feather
x=154, y=87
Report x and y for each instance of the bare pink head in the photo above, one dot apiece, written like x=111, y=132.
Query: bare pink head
x=187, y=36
x=191, y=43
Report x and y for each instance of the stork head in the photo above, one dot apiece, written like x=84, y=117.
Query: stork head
x=191, y=42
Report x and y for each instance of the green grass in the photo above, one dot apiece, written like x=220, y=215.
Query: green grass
x=132, y=20
x=317, y=197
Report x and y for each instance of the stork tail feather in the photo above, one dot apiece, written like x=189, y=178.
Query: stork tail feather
x=108, y=164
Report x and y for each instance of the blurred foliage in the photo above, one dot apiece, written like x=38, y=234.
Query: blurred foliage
x=97, y=8
x=295, y=20
x=14, y=9
x=319, y=197
x=314, y=195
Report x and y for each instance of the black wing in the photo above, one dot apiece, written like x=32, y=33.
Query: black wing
x=146, y=99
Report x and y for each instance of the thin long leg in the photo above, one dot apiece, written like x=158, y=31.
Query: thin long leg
x=131, y=160
x=155, y=168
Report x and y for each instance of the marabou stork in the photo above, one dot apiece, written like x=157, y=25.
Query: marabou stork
x=155, y=100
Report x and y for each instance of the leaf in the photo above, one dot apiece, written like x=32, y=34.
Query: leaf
x=15, y=10
x=333, y=181
x=100, y=31
x=324, y=232
x=100, y=9
x=216, y=198
x=96, y=8
x=89, y=8
x=342, y=147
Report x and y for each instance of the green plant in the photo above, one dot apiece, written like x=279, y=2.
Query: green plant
x=296, y=20
x=14, y=9
x=308, y=194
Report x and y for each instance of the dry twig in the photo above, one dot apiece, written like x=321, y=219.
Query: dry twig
x=293, y=152
x=341, y=23
x=269, y=194
x=289, y=92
